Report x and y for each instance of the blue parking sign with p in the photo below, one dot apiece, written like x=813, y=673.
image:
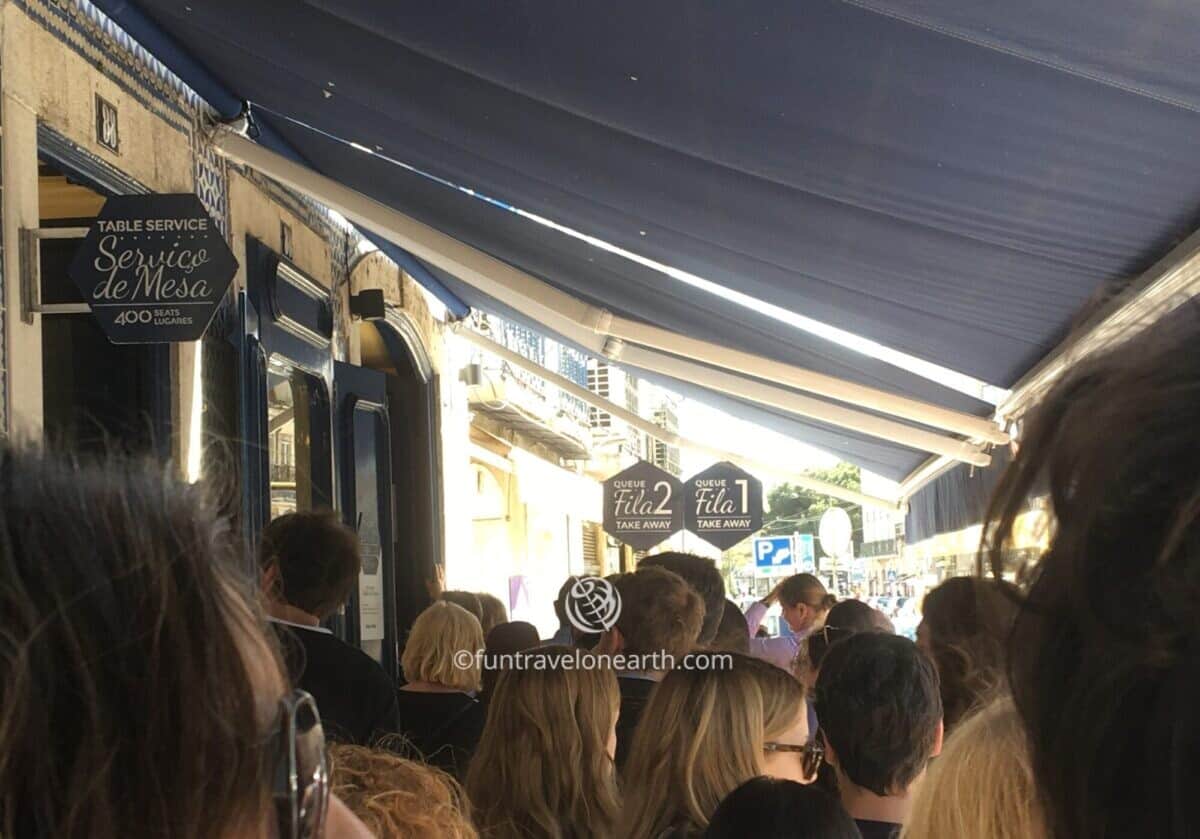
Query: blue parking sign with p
x=772, y=552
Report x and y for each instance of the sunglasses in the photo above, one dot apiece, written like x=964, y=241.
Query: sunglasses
x=300, y=781
x=812, y=754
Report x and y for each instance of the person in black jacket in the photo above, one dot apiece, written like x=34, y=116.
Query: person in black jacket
x=309, y=564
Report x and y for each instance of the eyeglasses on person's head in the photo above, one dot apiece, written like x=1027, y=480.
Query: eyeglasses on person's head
x=300, y=776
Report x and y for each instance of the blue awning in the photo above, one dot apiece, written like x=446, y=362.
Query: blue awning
x=952, y=179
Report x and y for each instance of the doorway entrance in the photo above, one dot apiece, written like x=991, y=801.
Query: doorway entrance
x=97, y=396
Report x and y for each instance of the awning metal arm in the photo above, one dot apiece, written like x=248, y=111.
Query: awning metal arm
x=670, y=438
x=568, y=316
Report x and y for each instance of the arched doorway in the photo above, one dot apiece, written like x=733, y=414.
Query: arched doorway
x=394, y=347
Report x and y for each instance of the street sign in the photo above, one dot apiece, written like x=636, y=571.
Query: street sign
x=858, y=572
x=643, y=506
x=835, y=531
x=724, y=505
x=153, y=268
x=774, y=555
x=806, y=554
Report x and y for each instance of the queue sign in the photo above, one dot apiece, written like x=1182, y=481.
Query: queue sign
x=723, y=505
x=643, y=506
x=153, y=268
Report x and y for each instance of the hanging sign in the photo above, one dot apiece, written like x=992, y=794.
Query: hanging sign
x=723, y=505
x=153, y=268
x=643, y=506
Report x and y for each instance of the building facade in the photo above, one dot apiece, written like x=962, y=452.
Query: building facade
x=290, y=401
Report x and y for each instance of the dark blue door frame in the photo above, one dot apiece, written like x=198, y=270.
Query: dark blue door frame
x=288, y=317
x=363, y=431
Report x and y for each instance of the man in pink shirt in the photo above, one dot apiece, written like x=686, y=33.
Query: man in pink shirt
x=805, y=603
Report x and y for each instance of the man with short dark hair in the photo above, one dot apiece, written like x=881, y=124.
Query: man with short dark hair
x=705, y=579
x=880, y=713
x=660, y=616
x=566, y=634
x=309, y=565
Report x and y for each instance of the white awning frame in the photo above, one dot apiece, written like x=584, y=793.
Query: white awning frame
x=1164, y=287
x=599, y=331
x=670, y=438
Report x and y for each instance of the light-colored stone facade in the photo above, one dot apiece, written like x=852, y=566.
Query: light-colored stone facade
x=56, y=58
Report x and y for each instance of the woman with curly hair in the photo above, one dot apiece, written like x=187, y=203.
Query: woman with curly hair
x=398, y=798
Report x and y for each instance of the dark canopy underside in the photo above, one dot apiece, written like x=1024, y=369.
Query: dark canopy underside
x=953, y=179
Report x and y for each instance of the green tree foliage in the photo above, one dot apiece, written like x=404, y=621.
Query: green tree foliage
x=793, y=509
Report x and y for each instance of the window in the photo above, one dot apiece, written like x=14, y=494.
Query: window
x=597, y=382
x=290, y=400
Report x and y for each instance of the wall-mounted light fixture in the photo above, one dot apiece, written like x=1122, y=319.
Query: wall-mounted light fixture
x=368, y=304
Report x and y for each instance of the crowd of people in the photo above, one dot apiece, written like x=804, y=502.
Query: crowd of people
x=154, y=682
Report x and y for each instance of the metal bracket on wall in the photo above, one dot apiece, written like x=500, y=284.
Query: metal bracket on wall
x=31, y=272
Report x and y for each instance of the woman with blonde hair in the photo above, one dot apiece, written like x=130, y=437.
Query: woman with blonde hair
x=787, y=751
x=982, y=786
x=544, y=766
x=398, y=798
x=439, y=714
x=699, y=738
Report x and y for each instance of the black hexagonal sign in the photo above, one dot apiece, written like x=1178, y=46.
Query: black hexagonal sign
x=723, y=505
x=643, y=506
x=153, y=268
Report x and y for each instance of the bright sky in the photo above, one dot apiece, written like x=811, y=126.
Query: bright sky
x=705, y=424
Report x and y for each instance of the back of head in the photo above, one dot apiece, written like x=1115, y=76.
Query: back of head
x=705, y=579
x=699, y=738
x=504, y=640
x=560, y=602
x=982, y=784
x=849, y=617
x=880, y=712
x=542, y=767
x=660, y=613
x=805, y=588
x=732, y=633
x=1105, y=656
x=579, y=638
x=966, y=622
x=493, y=611
x=317, y=559
x=467, y=600
x=855, y=616
x=398, y=798
x=767, y=808
x=434, y=652
x=512, y=637
x=130, y=657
